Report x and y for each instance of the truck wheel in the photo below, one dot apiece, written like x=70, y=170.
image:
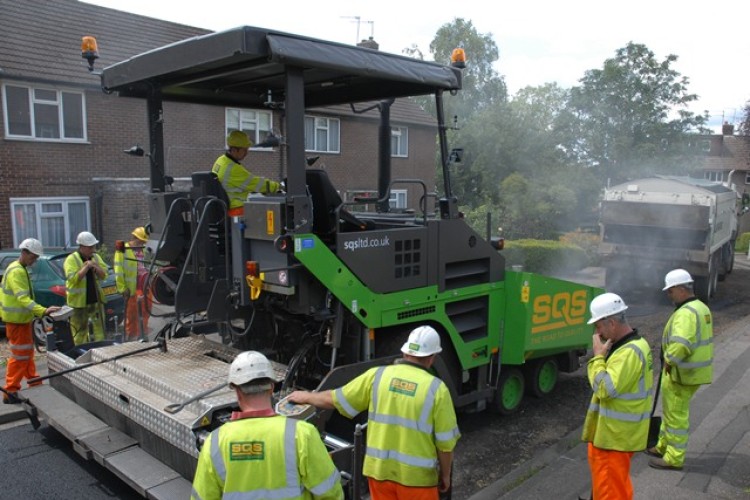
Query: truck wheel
x=729, y=258
x=725, y=257
x=509, y=392
x=541, y=377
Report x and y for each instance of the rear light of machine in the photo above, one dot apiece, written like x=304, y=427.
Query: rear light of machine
x=252, y=268
x=58, y=290
x=284, y=244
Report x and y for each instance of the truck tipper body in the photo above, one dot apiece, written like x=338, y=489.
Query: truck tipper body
x=652, y=225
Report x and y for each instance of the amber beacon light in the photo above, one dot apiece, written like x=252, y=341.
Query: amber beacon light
x=89, y=50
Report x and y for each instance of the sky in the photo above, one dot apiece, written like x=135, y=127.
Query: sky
x=539, y=41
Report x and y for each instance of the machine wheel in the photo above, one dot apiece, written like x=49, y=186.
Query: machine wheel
x=541, y=377
x=728, y=260
x=509, y=392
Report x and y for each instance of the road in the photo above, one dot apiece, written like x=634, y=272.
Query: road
x=42, y=463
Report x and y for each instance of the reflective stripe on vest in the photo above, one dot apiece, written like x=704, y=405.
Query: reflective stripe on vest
x=12, y=303
x=640, y=395
x=699, y=342
x=292, y=489
x=420, y=425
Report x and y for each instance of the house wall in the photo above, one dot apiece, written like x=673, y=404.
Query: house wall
x=117, y=184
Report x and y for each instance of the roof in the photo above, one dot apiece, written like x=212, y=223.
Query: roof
x=672, y=184
x=41, y=39
x=245, y=66
x=733, y=154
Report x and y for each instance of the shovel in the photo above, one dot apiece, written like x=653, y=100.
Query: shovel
x=177, y=407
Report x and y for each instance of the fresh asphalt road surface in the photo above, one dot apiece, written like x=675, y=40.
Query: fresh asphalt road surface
x=42, y=464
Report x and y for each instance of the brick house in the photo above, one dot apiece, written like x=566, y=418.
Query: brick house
x=727, y=160
x=62, y=160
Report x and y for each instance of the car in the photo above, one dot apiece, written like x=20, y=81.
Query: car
x=48, y=282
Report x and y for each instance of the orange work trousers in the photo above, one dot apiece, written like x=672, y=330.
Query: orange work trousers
x=390, y=490
x=131, y=316
x=21, y=361
x=610, y=474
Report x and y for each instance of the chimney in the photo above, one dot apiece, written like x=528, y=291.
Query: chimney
x=369, y=44
x=727, y=129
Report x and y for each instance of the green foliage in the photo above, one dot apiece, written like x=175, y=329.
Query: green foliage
x=587, y=241
x=544, y=256
x=742, y=243
x=623, y=116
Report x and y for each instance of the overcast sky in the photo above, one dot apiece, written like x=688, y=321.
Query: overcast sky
x=540, y=41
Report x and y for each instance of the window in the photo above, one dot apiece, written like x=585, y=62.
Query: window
x=44, y=114
x=400, y=141
x=397, y=201
x=322, y=134
x=256, y=124
x=747, y=177
x=716, y=175
x=53, y=221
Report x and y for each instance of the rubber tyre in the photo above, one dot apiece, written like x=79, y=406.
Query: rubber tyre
x=541, y=377
x=509, y=392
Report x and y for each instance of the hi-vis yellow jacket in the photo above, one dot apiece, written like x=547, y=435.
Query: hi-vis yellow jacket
x=688, y=344
x=126, y=270
x=620, y=409
x=76, y=288
x=18, y=304
x=238, y=182
x=266, y=458
x=411, y=417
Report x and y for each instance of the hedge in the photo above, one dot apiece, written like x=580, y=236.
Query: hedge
x=742, y=243
x=544, y=256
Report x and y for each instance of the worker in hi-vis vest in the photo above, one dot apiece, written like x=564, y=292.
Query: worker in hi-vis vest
x=18, y=311
x=259, y=454
x=687, y=349
x=621, y=374
x=84, y=271
x=238, y=182
x=129, y=266
x=411, y=429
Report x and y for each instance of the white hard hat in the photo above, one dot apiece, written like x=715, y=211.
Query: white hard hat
x=423, y=341
x=249, y=366
x=606, y=305
x=32, y=245
x=676, y=277
x=86, y=239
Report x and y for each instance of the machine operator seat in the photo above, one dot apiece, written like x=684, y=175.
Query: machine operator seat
x=208, y=184
x=325, y=201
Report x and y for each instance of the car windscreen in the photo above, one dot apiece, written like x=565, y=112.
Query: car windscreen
x=56, y=264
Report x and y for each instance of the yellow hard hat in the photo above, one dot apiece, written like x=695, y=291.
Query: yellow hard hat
x=238, y=139
x=140, y=233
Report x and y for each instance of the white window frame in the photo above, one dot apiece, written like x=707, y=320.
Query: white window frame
x=398, y=200
x=400, y=142
x=747, y=177
x=716, y=175
x=332, y=129
x=245, y=117
x=34, y=100
x=38, y=202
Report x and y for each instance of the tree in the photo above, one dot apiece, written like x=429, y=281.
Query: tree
x=623, y=115
x=744, y=128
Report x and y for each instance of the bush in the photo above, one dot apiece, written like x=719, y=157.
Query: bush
x=742, y=243
x=587, y=240
x=545, y=256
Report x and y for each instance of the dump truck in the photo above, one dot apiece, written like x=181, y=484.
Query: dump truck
x=652, y=225
x=323, y=291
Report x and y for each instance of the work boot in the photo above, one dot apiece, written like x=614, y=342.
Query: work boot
x=11, y=399
x=660, y=463
x=654, y=452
